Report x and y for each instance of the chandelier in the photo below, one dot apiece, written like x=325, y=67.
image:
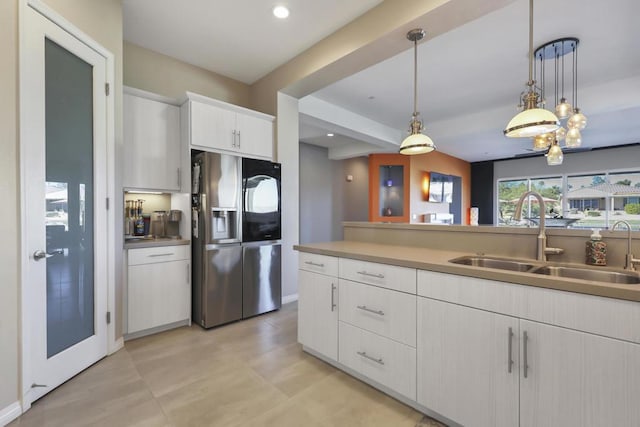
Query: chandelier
x=555, y=51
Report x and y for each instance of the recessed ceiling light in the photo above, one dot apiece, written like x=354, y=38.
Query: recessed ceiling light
x=329, y=134
x=280, y=12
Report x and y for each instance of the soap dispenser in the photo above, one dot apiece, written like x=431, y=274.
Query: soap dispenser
x=596, y=249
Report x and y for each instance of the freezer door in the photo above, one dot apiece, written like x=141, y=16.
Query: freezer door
x=222, y=290
x=261, y=279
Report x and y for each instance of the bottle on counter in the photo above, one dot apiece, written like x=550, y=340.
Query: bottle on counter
x=596, y=250
x=138, y=229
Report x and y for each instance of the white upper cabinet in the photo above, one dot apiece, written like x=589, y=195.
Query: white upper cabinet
x=217, y=126
x=152, y=146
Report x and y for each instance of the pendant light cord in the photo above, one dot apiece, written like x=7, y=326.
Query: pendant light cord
x=531, y=44
x=415, y=78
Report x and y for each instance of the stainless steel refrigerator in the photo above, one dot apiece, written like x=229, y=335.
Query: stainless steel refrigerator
x=232, y=280
x=261, y=232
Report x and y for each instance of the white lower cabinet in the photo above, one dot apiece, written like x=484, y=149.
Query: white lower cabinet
x=577, y=379
x=385, y=361
x=318, y=312
x=485, y=369
x=159, y=289
x=477, y=352
x=467, y=364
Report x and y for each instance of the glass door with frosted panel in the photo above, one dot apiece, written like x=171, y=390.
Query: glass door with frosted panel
x=69, y=198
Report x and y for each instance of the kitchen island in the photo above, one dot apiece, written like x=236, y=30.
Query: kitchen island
x=472, y=345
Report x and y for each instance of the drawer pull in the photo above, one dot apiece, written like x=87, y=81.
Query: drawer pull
x=156, y=255
x=525, y=345
x=315, y=264
x=333, y=302
x=364, y=273
x=510, y=350
x=373, y=359
x=370, y=310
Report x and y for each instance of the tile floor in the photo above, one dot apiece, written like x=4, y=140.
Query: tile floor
x=250, y=373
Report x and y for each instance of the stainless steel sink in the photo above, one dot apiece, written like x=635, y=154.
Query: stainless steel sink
x=490, y=262
x=621, y=277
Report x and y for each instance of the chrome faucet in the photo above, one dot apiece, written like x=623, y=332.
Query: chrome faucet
x=543, y=250
x=630, y=260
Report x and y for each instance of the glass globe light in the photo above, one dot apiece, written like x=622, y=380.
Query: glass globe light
x=542, y=142
x=577, y=121
x=563, y=110
x=573, y=139
x=560, y=134
x=555, y=156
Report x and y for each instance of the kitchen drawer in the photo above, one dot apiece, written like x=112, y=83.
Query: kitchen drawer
x=387, y=362
x=322, y=264
x=158, y=254
x=388, y=313
x=387, y=276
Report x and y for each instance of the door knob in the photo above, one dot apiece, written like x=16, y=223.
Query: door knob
x=38, y=255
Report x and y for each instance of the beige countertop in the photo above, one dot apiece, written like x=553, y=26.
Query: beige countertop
x=437, y=260
x=153, y=242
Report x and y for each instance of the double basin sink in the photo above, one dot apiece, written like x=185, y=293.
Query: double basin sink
x=555, y=270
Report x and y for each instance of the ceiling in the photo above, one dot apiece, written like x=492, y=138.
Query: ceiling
x=469, y=78
x=240, y=39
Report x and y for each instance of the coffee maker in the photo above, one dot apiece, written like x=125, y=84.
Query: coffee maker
x=173, y=224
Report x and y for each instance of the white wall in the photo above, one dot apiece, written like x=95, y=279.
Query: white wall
x=288, y=154
x=316, y=194
x=9, y=218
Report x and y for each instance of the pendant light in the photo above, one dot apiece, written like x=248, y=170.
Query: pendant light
x=578, y=120
x=416, y=142
x=555, y=155
x=532, y=120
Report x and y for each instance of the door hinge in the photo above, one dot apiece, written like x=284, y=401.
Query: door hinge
x=106, y=88
x=107, y=203
x=108, y=317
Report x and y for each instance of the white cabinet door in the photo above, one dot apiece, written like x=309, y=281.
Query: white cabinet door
x=159, y=294
x=577, y=379
x=464, y=370
x=213, y=127
x=318, y=313
x=151, y=144
x=255, y=136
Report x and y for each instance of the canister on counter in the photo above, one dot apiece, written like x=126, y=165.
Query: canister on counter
x=596, y=250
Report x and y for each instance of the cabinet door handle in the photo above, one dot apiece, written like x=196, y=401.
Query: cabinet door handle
x=373, y=359
x=315, y=264
x=156, y=255
x=233, y=138
x=179, y=178
x=364, y=273
x=510, y=350
x=333, y=302
x=525, y=345
x=239, y=140
x=365, y=308
x=188, y=274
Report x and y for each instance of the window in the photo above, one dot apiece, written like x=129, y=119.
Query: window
x=509, y=192
x=583, y=201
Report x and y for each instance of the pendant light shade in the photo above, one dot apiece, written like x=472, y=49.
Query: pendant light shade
x=555, y=155
x=533, y=120
x=416, y=142
x=577, y=121
x=573, y=139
